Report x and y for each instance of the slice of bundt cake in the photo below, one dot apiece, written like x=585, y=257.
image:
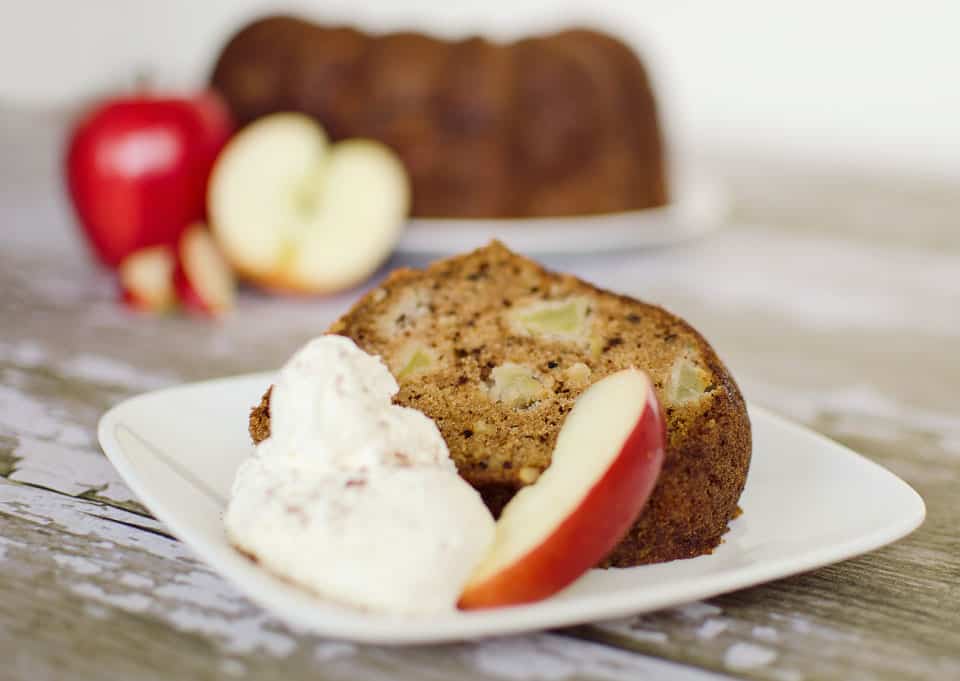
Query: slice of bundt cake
x=496, y=349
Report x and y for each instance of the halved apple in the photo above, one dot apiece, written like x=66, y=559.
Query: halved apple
x=146, y=279
x=608, y=455
x=202, y=279
x=294, y=213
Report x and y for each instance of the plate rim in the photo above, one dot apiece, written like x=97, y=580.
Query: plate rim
x=313, y=615
x=697, y=207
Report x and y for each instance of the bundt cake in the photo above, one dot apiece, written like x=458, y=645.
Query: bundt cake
x=495, y=350
x=564, y=124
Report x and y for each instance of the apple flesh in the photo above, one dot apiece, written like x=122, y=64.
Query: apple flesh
x=203, y=280
x=607, y=458
x=295, y=213
x=137, y=168
x=146, y=279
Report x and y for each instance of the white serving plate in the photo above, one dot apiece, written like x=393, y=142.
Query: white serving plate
x=699, y=207
x=808, y=502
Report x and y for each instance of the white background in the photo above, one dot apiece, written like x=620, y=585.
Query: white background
x=870, y=83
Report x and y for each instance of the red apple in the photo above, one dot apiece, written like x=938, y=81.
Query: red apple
x=137, y=169
x=146, y=279
x=604, y=467
x=203, y=280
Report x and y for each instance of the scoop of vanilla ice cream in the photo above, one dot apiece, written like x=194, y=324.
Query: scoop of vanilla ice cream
x=331, y=401
x=403, y=541
x=354, y=497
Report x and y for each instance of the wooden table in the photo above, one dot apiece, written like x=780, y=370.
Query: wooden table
x=835, y=299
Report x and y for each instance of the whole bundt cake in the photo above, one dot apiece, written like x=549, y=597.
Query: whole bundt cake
x=496, y=350
x=564, y=124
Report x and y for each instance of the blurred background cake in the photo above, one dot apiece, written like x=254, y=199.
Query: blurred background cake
x=560, y=124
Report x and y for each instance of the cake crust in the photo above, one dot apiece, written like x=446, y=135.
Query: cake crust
x=460, y=339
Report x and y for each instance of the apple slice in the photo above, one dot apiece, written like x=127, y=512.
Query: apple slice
x=604, y=467
x=146, y=279
x=294, y=213
x=203, y=280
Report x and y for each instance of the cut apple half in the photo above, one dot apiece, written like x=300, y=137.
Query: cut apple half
x=146, y=279
x=203, y=280
x=293, y=212
x=604, y=467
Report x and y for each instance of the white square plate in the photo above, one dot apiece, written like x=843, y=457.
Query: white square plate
x=808, y=502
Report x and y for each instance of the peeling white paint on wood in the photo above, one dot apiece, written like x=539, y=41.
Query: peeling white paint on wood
x=101, y=370
x=649, y=636
x=6, y=542
x=766, y=634
x=712, y=628
x=136, y=581
x=86, y=367
x=190, y=597
x=548, y=657
x=862, y=349
x=327, y=651
x=744, y=656
x=67, y=469
x=78, y=564
x=232, y=667
x=132, y=602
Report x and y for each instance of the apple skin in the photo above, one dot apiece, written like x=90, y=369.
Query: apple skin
x=189, y=271
x=187, y=295
x=592, y=530
x=137, y=168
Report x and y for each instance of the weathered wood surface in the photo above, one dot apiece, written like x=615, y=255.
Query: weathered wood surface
x=836, y=302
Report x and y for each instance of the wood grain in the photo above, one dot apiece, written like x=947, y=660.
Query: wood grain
x=844, y=322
